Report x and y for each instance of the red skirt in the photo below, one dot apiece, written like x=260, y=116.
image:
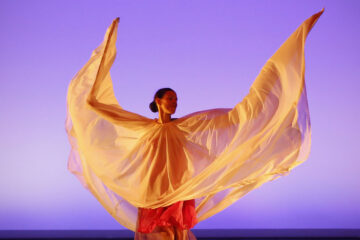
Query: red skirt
x=180, y=214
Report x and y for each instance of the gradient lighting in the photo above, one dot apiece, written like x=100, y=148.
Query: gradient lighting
x=209, y=52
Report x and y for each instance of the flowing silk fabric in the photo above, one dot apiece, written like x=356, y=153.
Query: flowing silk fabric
x=215, y=156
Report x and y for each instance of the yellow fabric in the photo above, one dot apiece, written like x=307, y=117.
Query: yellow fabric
x=215, y=156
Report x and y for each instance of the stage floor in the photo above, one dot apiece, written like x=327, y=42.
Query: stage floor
x=201, y=234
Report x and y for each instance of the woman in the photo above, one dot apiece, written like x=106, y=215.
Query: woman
x=137, y=167
x=165, y=102
x=176, y=220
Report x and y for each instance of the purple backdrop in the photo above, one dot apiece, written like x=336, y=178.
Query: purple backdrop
x=209, y=52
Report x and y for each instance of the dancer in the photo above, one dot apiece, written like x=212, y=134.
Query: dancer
x=176, y=220
x=133, y=164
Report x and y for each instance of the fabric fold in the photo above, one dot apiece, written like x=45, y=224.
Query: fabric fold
x=215, y=156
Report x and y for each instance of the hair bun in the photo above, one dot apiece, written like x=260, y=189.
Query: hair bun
x=153, y=107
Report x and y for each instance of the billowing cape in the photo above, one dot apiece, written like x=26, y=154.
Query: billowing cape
x=215, y=156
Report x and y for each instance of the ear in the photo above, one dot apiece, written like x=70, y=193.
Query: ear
x=157, y=101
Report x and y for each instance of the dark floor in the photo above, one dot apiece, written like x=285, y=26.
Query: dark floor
x=201, y=234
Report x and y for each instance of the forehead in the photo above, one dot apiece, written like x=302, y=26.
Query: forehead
x=170, y=94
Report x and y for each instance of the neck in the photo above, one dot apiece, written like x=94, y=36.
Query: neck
x=164, y=117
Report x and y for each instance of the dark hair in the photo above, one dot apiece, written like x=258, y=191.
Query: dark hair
x=159, y=94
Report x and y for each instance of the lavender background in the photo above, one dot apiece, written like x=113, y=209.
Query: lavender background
x=209, y=52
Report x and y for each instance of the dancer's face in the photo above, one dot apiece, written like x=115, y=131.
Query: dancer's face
x=167, y=103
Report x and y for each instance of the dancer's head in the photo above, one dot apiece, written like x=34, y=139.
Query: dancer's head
x=165, y=99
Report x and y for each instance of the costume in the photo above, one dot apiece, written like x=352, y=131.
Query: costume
x=215, y=156
x=170, y=222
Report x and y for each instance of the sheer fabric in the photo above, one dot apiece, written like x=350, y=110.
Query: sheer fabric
x=215, y=156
